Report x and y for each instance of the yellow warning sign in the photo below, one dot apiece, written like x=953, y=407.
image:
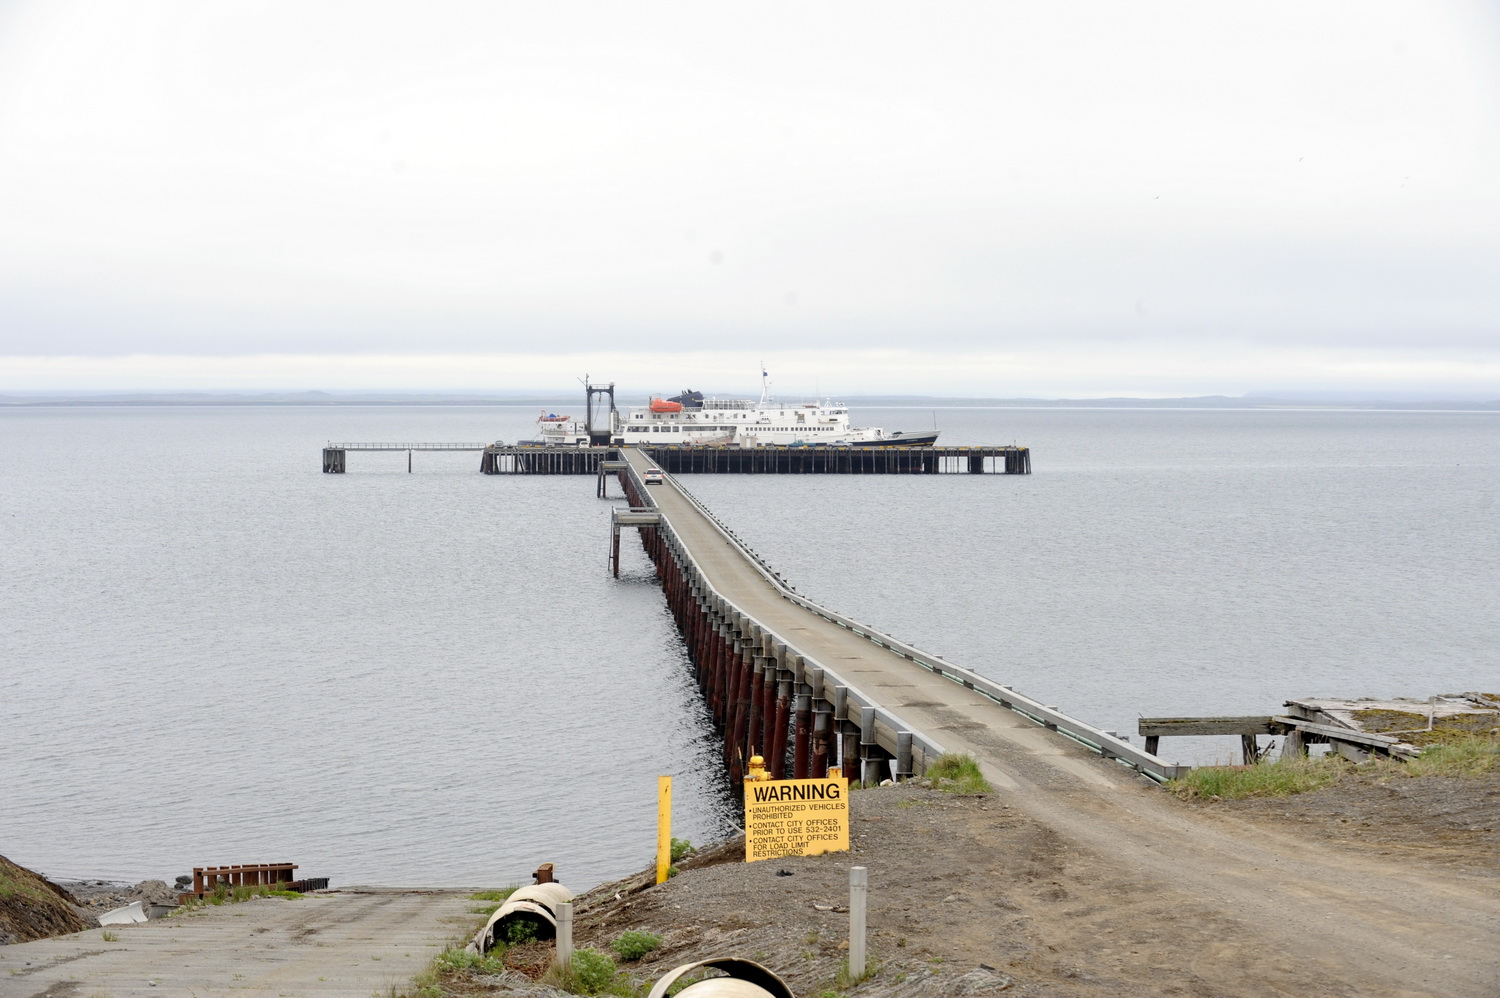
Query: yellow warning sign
x=795, y=818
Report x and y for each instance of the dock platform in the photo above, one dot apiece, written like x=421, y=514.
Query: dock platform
x=818, y=459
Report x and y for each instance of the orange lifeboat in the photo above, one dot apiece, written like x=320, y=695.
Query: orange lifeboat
x=662, y=405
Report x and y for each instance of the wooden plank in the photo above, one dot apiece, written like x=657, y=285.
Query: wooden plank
x=1340, y=734
x=1254, y=725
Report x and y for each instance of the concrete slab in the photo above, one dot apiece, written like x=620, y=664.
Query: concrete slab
x=351, y=943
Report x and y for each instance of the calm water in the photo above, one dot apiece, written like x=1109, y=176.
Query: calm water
x=214, y=653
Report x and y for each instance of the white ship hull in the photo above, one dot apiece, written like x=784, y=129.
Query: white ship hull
x=691, y=419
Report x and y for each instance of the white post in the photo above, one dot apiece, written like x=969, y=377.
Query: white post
x=859, y=889
x=565, y=933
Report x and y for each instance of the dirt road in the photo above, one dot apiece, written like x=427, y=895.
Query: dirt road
x=349, y=944
x=1301, y=916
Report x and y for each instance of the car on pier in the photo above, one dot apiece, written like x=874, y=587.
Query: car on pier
x=653, y=476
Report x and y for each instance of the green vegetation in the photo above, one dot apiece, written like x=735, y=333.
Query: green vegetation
x=844, y=980
x=591, y=972
x=957, y=773
x=682, y=982
x=633, y=944
x=681, y=848
x=521, y=928
x=224, y=894
x=451, y=961
x=492, y=900
x=1460, y=755
x=11, y=884
x=109, y=936
x=458, y=958
x=1468, y=756
x=1412, y=726
x=1264, y=779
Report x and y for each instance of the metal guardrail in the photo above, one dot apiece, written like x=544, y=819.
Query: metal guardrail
x=1107, y=744
x=855, y=698
x=400, y=446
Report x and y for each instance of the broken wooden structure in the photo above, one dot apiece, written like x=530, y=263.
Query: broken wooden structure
x=1356, y=729
x=207, y=879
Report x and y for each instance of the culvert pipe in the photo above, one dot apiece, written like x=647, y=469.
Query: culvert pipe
x=536, y=905
x=746, y=979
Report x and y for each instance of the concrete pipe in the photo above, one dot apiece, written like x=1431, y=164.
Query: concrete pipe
x=536, y=904
x=746, y=979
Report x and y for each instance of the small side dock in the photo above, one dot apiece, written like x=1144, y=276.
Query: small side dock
x=335, y=459
x=1356, y=729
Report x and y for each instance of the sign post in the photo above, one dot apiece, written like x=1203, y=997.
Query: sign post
x=663, y=827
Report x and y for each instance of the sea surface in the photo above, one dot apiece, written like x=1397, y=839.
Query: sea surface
x=211, y=652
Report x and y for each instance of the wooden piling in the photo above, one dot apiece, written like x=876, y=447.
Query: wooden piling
x=783, y=720
x=802, y=737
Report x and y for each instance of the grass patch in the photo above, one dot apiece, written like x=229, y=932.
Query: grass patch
x=844, y=980
x=681, y=848
x=109, y=936
x=457, y=958
x=492, y=900
x=591, y=972
x=957, y=773
x=1470, y=756
x=1411, y=726
x=224, y=894
x=1264, y=779
x=685, y=981
x=633, y=944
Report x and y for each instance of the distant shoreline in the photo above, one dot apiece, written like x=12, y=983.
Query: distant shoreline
x=321, y=399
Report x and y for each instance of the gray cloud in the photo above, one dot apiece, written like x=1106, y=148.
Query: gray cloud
x=251, y=178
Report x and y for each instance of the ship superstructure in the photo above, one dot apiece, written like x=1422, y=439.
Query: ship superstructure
x=689, y=418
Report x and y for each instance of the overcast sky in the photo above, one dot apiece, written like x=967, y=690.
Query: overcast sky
x=1008, y=199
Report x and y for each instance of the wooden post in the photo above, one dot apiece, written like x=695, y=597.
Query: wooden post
x=822, y=725
x=803, y=738
x=1250, y=749
x=753, y=740
x=783, y=722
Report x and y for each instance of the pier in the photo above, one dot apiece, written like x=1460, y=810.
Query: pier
x=808, y=688
x=334, y=454
x=819, y=459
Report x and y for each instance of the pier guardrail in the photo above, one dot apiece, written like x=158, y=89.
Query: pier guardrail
x=854, y=697
x=1108, y=744
x=401, y=446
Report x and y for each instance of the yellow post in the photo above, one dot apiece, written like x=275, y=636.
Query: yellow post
x=663, y=827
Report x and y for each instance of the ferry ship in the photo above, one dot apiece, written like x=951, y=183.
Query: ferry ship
x=689, y=418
